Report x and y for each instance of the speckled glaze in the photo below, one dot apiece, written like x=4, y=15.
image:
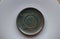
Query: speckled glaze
x=30, y=21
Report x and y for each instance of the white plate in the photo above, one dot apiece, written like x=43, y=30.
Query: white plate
x=9, y=10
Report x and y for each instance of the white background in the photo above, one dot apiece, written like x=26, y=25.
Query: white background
x=9, y=9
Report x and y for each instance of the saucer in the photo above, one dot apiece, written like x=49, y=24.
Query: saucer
x=30, y=21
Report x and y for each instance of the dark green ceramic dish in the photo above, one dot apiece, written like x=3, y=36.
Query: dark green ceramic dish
x=30, y=21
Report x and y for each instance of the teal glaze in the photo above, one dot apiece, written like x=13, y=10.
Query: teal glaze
x=29, y=21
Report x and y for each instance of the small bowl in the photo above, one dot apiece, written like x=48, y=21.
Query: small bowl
x=30, y=21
